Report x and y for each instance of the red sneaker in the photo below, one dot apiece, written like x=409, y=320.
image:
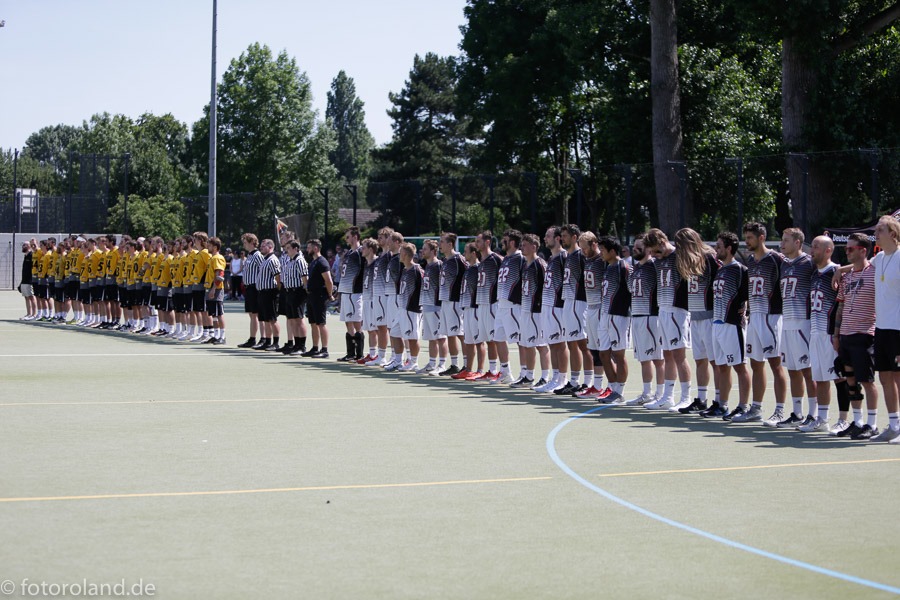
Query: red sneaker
x=591, y=392
x=462, y=374
x=475, y=376
x=604, y=394
x=365, y=359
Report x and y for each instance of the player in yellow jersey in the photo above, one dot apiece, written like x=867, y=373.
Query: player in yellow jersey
x=143, y=289
x=199, y=317
x=214, y=286
x=157, y=252
x=95, y=282
x=164, y=289
x=84, y=282
x=110, y=287
x=121, y=271
x=71, y=286
x=59, y=282
x=192, y=326
x=131, y=293
x=177, y=295
x=40, y=279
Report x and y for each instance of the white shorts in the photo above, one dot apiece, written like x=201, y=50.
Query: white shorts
x=821, y=357
x=506, y=324
x=351, y=308
x=431, y=326
x=795, y=347
x=378, y=316
x=647, y=343
x=368, y=323
x=592, y=327
x=702, y=339
x=26, y=290
x=674, y=328
x=486, y=314
x=391, y=314
x=728, y=344
x=531, y=330
x=764, y=337
x=451, y=319
x=470, y=325
x=574, y=315
x=615, y=332
x=410, y=323
x=551, y=324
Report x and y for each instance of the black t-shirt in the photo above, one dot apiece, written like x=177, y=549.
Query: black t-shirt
x=26, y=269
x=316, y=278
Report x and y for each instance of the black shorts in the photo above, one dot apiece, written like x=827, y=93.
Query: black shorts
x=295, y=303
x=857, y=351
x=316, y=310
x=178, y=302
x=59, y=293
x=164, y=303
x=72, y=290
x=283, y=302
x=124, y=297
x=111, y=292
x=251, y=299
x=268, y=305
x=215, y=308
x=145, y=295
x=887, y=349
x=198, y=301
x=96, y=293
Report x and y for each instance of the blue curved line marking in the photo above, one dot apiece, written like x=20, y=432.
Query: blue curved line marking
x=551, y=450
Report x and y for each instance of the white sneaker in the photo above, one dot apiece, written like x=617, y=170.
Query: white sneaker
x=392, y=366
x=685, y=402
x=196, y=338
x=659, y=404
x=642, y=400
x=504, y=379
x=426, y=369
x=817, y=425
x=436, y=372
x=776, y=418
x=410, y=366
x=377, y=363
x=838, y=427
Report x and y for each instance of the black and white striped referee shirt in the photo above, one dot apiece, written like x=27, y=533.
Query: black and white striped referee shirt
x=293, y=271
x=268, y=269
x=251, y=267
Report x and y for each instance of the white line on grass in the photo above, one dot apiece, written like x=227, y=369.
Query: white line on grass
x=219, y=400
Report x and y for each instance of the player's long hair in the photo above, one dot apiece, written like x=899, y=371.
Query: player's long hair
x=690, y=253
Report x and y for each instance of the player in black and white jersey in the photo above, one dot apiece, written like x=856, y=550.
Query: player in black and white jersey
x=486, y=300
x=431, y=310
x=796, y=276
x=392, y=308
x=267, y=282
x=350, y=289
x=697, y=265
x=674, y=319
x=509, y=301
x=532, y=342
x=729, y=305
x=378, y=312
x=615, y=320
x=594, y=270
x=293, y=276
x=574, y=314
x=645, y=323
x=251, y=294
x=474, y=351
x=370, y=250
x=764, y=331
x=551, y=311
x=453, y=271
x=409, y=301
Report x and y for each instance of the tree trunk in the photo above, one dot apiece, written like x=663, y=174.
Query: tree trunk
x=666, y=103
x=798, y=80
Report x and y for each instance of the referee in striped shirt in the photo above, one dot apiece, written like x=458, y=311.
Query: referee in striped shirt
x=268, y=281
x=251, y=295
x=293, y=279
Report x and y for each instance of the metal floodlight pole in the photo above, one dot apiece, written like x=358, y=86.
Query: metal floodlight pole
x=453, y=204
x=626, y=172
x=211, y=225
x=738, y=162
x=680, y=168
x=324, y=193
x=578, y=176
x=125, y=221
x=872, y=155
x=437, y=198
x=18, y=218
x=352, y=189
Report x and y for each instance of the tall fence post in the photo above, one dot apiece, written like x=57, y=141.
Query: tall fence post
x=738, y=162
x=323, y=191
x=125, y=223
x=352, y=189
x=626, y=172
x=680, y=168
x=872, y=155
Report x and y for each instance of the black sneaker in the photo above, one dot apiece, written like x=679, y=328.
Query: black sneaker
x=320, y=354
x=218, y=342
x=565, y=390
x=211, y=340
x=714, y=412
x=287, y=348
x=865, y=433
x=297, y=351
x=273, y=348
x=248, y=344
x=451, y=370
x=310, y=353
x=577, y=390
x=851, y=431
x=696, y=406
x=735, y=413
x=522, y=382
x=262, y=345
x=347, y=358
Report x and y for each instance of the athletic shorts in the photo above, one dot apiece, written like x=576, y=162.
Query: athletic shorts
x=165, y=303
x=268, y=305
x=251, y=299
x=574, y=316
x=470, y=325
x=551, y=324
x=84, y=295
x=111, y=292
x=410, y=322
x=486, y=315
x=283, y=302
x=795, y=347
x=451, y=319
x=71, y=290
x=316, y=310
x=822, y=357
x=146, y=293
x=857, y=352
x=198, y=301
x=674, y=328
x=296, y=303
x=26, y=290
x=351, y=308
x=377, y=312
x=728, y=344
x=615, y=332
x=391, y=312
x=506, y=324
x=592, y=326
x=215, y=308
x=701, y=339
x=647, y=343
x=764, y=337
x=431, y=326
x=59, y=293
x=530, y=330
x=887, y=349
x=97, y=293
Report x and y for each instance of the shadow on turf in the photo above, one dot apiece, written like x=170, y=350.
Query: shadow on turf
x=756, y=434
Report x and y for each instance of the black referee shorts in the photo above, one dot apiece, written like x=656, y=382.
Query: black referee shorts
x=268, y=305
x=887, y=349
x=295, y=303
x=316, y=308
x=282, y=302
x=251, y=299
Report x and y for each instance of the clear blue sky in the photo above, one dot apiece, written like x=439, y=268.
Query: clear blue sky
x=64, y=60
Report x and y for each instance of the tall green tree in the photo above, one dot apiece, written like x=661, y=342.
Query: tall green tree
x=345, y=114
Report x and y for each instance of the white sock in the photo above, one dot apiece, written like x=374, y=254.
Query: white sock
x=822, y=412
x=813, y=406
x=670, y=389
x=685, y=390
x=647, y=386
x=701, y=392
x=798, y=405
x=589, y=378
